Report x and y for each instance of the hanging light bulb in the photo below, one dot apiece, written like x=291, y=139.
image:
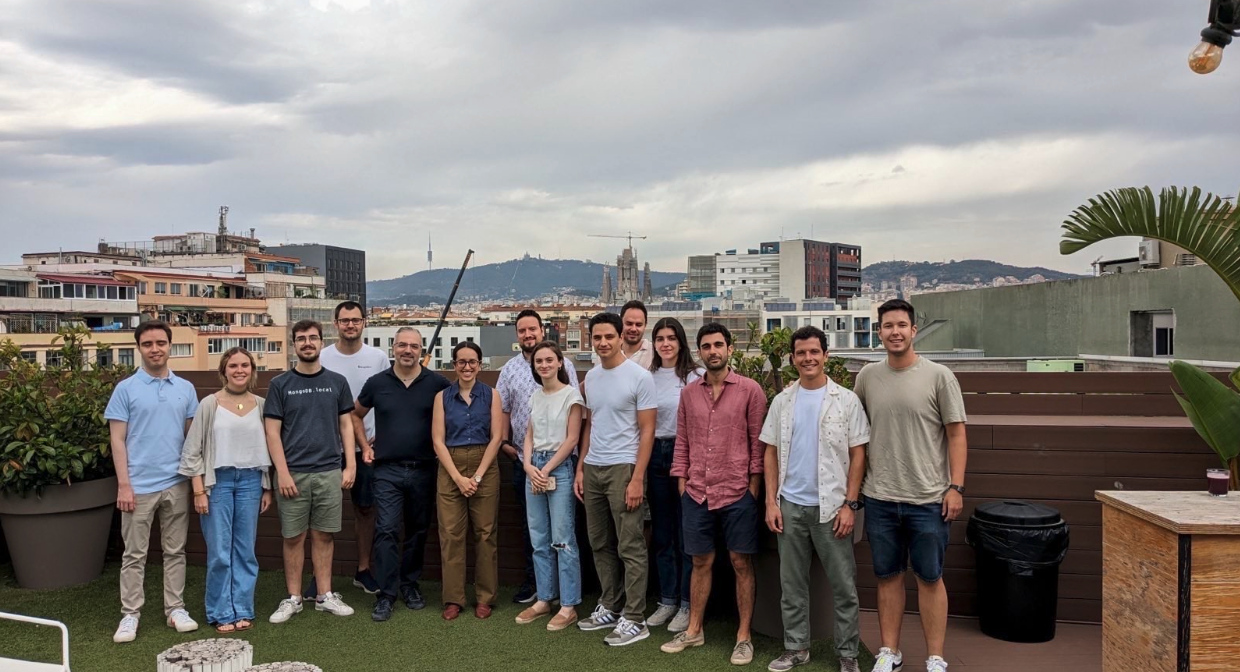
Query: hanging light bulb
x=1224, y=24
x=1205, y=58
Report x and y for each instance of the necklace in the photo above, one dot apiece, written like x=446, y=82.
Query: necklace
x=240, y=404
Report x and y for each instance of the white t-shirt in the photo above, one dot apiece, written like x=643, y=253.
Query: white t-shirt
x=667, y=387
x=240, y=441
x=357, y=369
x=801, y=483
x=614, y=396
x=549, y=416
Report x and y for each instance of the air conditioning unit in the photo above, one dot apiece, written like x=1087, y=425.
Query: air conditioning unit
x=1147, y=253
x=258, y=355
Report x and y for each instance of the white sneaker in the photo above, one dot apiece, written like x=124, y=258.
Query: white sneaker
x=662, y=615
x=179, y=619
x=681, y=622
x=288, y=606
x=128, y=630
x=332, y=604
x=936, y=664
x=888, y=660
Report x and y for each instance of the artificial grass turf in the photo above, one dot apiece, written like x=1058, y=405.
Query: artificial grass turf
x=419, y=640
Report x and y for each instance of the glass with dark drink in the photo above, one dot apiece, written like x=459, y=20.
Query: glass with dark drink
x=1217, y=480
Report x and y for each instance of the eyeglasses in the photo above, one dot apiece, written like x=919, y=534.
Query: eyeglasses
x=350, y=321
x=467, y=363
x=307, y=339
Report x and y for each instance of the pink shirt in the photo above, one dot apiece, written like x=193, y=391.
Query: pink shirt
x=717, y=444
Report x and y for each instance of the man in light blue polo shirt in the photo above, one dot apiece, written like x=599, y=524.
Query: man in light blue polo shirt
x=148, y=415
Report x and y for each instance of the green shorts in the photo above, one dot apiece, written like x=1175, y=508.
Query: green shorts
x=316, y=506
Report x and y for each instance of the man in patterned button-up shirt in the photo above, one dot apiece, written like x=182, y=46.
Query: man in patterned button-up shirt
x=515, y=385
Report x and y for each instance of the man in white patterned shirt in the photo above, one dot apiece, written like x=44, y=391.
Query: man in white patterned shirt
x=516, y=384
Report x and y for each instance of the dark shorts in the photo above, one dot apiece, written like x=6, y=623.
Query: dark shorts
x=900, y=533
x=363, y=491
x=738, y=520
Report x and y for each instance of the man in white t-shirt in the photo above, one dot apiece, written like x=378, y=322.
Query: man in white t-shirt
x=633, y=342
x=357, y=362
x=611, y=481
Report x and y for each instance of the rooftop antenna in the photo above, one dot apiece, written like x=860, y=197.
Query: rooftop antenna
x=429, y=254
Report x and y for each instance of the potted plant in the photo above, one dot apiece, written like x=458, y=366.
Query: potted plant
x=1204, y=225
x=57, y=482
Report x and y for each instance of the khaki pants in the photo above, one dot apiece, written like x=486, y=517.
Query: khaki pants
x=457, y=514
x=617, y=538
x=172, y=507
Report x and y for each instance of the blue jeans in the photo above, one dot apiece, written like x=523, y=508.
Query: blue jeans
x=663, y=494
x=553, y=534
x=900, y=533
x=404, y=493
x=230, y=527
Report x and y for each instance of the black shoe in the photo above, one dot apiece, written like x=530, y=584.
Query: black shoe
x=312, y=591
x=413, y=599
x=383, y=610
x=366, y=581
x=526, y=594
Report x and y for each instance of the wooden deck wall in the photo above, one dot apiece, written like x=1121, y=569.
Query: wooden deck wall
x=1053, y=438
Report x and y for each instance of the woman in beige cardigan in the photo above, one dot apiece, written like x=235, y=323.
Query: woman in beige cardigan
x=225, y=456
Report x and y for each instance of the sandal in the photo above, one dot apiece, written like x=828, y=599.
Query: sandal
x=243, y=624
x=225, y=628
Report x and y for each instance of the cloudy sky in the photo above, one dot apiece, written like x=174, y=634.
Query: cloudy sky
x=923, y=130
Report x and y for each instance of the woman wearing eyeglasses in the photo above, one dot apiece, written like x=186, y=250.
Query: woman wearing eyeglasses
x=466, y=433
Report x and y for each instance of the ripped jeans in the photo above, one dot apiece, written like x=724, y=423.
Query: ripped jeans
x=553, y=533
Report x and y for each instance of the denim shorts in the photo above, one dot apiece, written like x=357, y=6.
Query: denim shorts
x=900, y=533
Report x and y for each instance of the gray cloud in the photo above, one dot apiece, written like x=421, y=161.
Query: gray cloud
x=918, y=129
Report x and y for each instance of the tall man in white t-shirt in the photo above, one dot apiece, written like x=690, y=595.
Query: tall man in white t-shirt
x=357, y=362
x=615, y=451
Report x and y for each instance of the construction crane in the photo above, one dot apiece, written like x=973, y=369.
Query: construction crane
x=630, y=236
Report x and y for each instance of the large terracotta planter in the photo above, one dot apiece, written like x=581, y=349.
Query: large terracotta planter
x=60, y=538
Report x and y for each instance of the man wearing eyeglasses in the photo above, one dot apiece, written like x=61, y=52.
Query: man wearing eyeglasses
x=357, y=362
x=309, y=423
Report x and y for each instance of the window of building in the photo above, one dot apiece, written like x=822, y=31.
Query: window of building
x=30, y=356
x=8, y=288
x=125, y=356
x=455, y=340
x=193, y=289
x=273, y=346
x=182, y=350
x=176, y=288
x=103, y=357
x=142, y=287
x=1152, y=333
x=161, y=288
x=113, y=292
x=49, y=290
x=54, y=358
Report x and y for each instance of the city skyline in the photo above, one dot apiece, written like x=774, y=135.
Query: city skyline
x=701, y=125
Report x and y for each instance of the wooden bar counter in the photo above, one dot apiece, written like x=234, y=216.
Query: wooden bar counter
x=1170, y=581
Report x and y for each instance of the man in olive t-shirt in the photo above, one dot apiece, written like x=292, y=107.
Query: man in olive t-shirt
x=914, y=482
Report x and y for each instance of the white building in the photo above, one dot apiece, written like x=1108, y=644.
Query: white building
x=851, y=329
x=747, y=276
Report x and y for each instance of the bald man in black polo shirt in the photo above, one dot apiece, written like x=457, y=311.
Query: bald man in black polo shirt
x=403, y=398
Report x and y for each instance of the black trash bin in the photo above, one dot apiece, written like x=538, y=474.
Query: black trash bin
x=1019, y=547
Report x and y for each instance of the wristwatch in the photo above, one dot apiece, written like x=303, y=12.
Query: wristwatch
x=854, y=504
x=478, y=478
x=957, y=488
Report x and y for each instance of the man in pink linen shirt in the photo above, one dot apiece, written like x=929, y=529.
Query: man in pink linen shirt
x=719, y=461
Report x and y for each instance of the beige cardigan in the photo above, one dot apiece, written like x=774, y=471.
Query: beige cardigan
x=198, y=453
